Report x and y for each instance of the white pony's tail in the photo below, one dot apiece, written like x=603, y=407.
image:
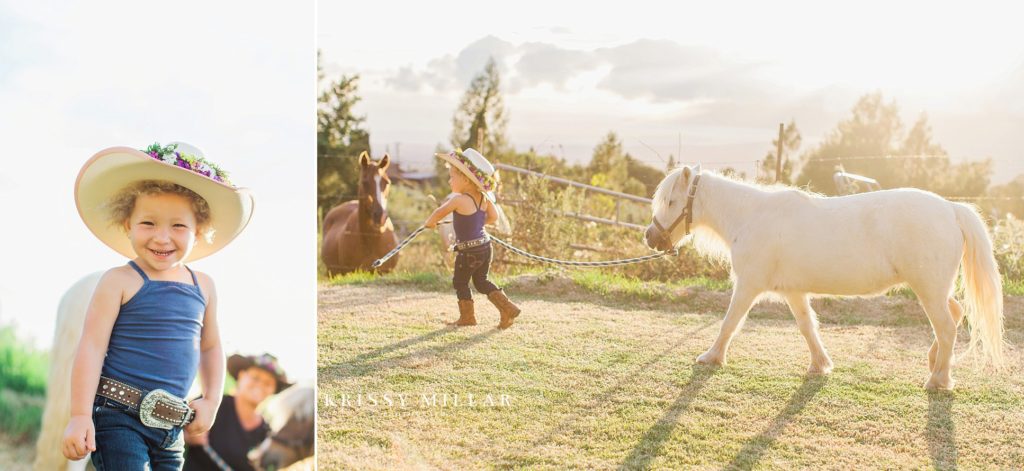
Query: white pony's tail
x=983, y=288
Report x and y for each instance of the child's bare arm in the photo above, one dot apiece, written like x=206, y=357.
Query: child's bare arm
x=492, y=214
x=446, y=208
x=79, y=436
x=211, y=364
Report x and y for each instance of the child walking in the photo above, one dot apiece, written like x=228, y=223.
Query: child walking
x=472, y=179
x=152, y=323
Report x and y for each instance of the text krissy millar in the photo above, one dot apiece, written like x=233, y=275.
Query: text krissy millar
x=422, y=400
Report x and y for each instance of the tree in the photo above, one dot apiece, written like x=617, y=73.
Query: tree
x=1008, y=198
x=610, y=167
x=868, y=132
x=791, y=141
x=340, y=140
x=871, y=143
x=480, y=120
x=647, y=175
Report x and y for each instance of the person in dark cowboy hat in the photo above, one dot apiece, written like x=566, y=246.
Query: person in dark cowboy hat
x=238, y=427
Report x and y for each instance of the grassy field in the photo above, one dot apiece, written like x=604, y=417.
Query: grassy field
x=600, y=374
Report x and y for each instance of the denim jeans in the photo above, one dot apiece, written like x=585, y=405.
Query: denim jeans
x=122, y=442
x=473, y=264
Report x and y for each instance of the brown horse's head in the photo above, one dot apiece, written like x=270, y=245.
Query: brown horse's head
x=374, y=185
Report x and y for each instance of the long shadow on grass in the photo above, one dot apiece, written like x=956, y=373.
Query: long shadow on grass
x=756, y=447
x=628, y=378
x=941, y=432
x=379, y=352
x=375, y=361
x=651, y=443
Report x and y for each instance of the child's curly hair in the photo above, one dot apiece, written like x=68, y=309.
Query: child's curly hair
x=121, y=205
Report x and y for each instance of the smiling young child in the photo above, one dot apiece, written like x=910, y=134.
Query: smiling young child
x=152, y=323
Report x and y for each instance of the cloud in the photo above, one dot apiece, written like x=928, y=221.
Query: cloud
x=451, y=73
x=665, y=71
x=439, y=75
x=660, y=71
x=546, y=63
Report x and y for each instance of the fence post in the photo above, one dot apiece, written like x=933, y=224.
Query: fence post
x=778, y=157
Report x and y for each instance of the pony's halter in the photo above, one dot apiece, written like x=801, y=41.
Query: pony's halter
x=685, y=216
x=296, y=445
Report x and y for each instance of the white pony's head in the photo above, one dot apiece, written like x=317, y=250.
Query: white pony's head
x=668, y=208
x=291, y=415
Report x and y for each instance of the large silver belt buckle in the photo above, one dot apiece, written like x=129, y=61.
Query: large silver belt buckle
x=148, y=407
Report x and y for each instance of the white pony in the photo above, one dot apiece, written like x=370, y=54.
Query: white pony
x=796, y=244
x=70, y=321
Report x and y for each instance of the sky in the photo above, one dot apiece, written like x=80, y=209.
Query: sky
x=707, y=81
x=237, y=79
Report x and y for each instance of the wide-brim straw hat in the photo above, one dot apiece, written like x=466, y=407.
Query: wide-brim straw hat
x=476, y=167
x=111, y=170
x=265, y=362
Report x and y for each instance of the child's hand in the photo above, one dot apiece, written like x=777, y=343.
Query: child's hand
x=429, y=224
x=197, y=440
x=79, y=437
x=206, y=411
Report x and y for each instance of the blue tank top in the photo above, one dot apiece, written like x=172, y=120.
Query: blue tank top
x=154, y=343
x=469, y=227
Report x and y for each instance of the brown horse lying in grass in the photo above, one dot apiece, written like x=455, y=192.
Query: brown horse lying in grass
x=355, y=233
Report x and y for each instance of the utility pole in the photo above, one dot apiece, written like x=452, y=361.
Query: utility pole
x=778, y=156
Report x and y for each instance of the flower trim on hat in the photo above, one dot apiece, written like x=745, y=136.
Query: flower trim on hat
x=487, y=182
x=268, y=362
x=170, y=155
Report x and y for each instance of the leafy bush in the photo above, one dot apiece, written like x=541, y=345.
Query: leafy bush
x=22, y=368
x=23, y=373
x=536, y=209
x=1008, y=245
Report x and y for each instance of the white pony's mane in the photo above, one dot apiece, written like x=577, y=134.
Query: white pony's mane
x=705, y=241
x=297, y=401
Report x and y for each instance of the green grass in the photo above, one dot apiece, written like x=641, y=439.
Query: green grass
x=614, y=385
x=597, y=282
x=421, y=280
x=593, y=281
x=1013, y=287
x=23, y=373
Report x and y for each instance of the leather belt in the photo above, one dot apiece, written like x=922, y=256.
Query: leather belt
x=157, y=408
x=459, y=246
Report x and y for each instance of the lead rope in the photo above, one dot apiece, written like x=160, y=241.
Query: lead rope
x=518, y=251
x=215, y=457
x=572, y=263
x=380, y=261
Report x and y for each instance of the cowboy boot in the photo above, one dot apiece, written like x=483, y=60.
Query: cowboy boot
x=505, y=307
x=466, y=314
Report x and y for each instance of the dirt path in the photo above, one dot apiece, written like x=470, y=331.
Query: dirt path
x=15, y=456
